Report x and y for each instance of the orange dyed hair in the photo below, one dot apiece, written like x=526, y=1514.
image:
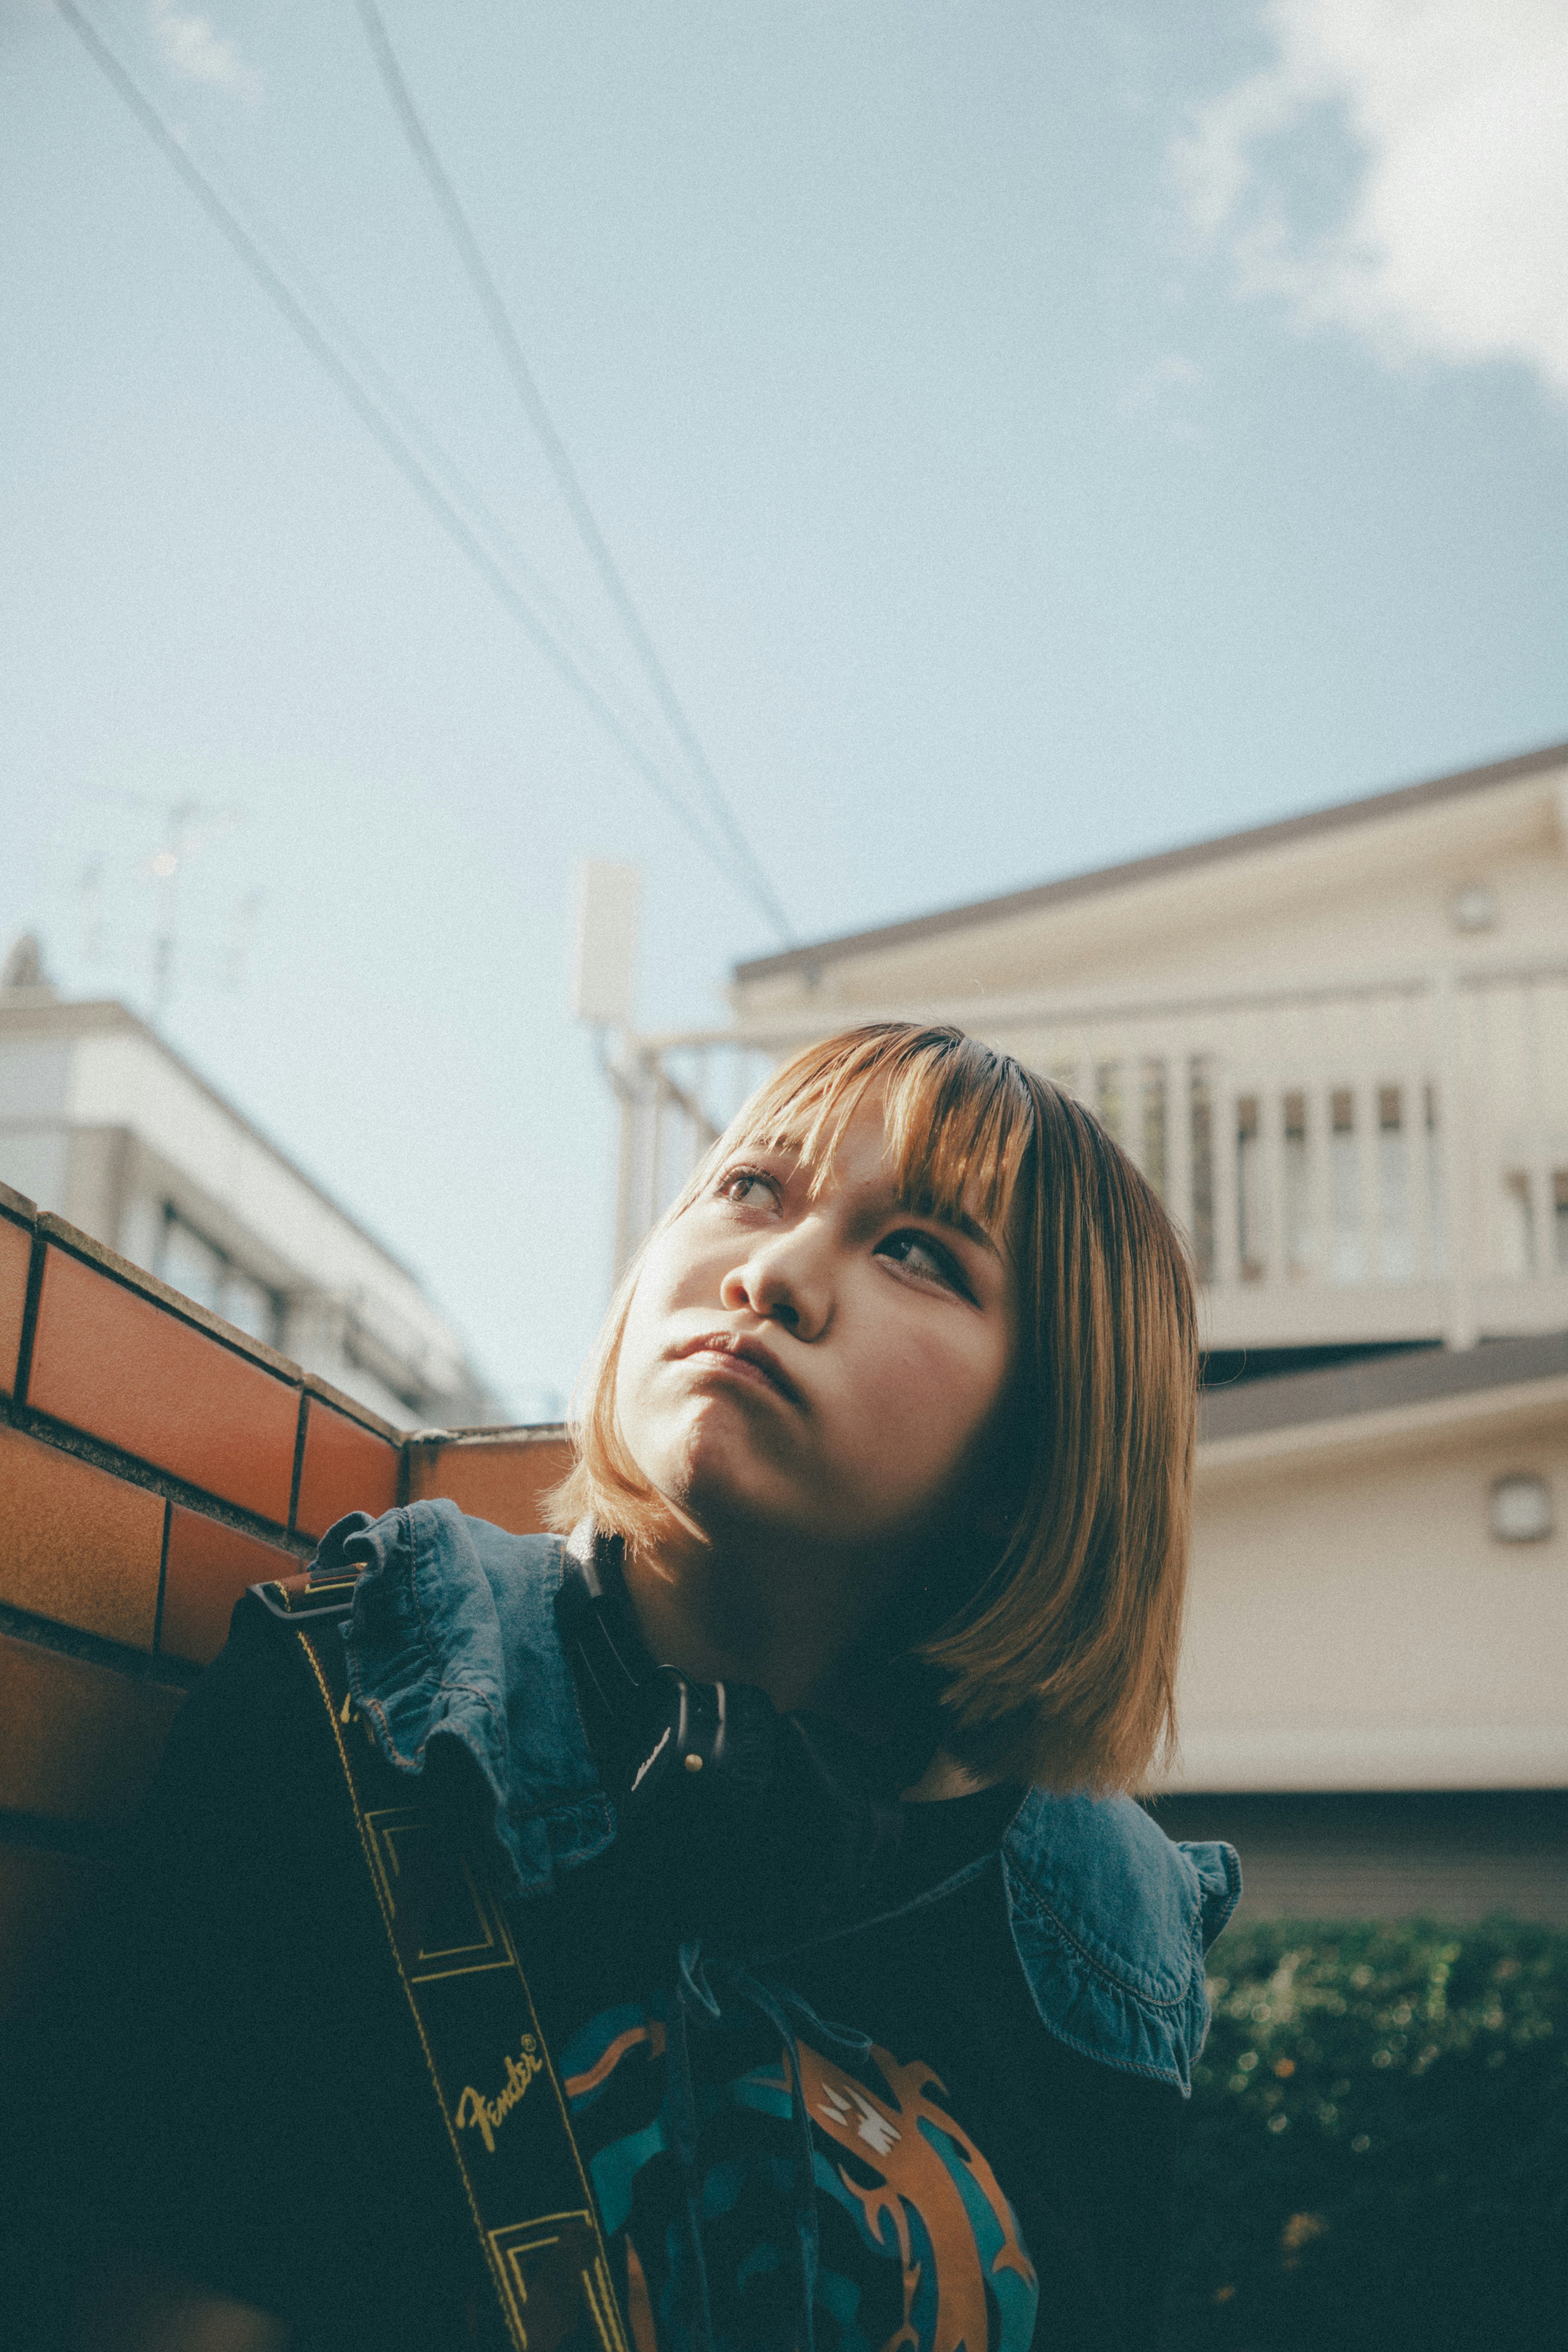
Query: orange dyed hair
x=1059, y=1655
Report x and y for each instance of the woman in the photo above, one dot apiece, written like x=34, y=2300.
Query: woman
x=795, y=1769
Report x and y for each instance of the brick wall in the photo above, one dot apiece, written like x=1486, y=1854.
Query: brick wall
x=153, y=1462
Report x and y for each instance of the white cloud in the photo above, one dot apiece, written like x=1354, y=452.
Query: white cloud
x=191, y=49
x=1454, y=242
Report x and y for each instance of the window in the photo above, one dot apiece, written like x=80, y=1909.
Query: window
x=202, y=1271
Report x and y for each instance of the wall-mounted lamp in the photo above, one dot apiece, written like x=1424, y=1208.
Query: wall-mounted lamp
x=1472, y=907
x=1521, y=1508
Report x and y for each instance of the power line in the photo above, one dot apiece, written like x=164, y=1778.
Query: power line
x=394, y=445
x=386, y=435
x=500, y=321
x=352, y=347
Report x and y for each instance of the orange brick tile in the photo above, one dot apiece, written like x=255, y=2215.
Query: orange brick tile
x=76, y=1742
x=16, y=1257
x=501, y=1479
x=42, y=1898
x=110, y=1361
x=347, y=1467
x=76, y=1544
x=209, y=1567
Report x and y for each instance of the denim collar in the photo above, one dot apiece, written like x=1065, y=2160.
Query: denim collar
x=452, y=1639
x=452, y=1643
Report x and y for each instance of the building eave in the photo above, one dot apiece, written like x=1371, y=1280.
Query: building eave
x=1041, y=897
x=1409, y=1395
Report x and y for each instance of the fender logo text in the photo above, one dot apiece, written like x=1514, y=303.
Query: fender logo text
x=489, y=2115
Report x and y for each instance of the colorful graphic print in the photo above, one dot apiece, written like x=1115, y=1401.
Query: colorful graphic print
x=918, y=2247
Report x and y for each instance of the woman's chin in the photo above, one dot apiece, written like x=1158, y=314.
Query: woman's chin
x=718, y=1482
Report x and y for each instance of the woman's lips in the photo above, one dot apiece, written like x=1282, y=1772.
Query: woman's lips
x=745, y=1359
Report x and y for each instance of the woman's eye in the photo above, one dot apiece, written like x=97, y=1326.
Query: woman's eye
x=747, y=1188
x=924, y=1256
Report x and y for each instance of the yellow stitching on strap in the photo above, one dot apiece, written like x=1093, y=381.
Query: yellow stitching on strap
x=391, y=1939
x=598, y=2293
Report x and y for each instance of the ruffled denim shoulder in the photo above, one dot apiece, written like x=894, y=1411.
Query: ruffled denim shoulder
x=453, y=1641
x=1112, y=1921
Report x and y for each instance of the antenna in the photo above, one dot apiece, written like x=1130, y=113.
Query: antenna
x=181, y=840
x=165, y=864
x=91, y=889
x=242, y=938
x=184, y=828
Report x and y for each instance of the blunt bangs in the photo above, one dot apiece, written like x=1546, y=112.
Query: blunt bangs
x=956, y=1126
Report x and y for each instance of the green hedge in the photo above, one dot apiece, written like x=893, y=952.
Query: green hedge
x=1377, y=2150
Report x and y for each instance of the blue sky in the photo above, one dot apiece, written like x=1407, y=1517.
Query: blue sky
x=1034, y=435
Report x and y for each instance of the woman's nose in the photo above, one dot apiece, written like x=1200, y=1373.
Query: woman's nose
x=777, y=1282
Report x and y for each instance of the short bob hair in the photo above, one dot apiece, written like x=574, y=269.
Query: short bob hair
x=1058, y=1653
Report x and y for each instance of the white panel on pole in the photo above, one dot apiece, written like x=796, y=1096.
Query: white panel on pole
x=604, y=965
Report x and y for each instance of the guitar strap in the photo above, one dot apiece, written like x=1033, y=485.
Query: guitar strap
x=501, y=2103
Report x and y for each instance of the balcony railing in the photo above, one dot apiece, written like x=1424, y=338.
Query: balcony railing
x=1354, y=1162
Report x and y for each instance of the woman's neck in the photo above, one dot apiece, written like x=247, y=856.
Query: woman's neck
x=787, y=1625
x=784, y=1616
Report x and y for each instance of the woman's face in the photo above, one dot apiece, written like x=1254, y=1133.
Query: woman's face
x=823, y=1368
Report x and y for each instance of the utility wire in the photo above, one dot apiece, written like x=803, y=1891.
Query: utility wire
x=393, y=443
x=560, y=465
x=352, y=347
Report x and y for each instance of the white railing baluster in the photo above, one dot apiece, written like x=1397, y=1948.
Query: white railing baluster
x=1271, y=1152
x=1538, y=1158
x=1364, y=1095
x=1227, y=1203
x=1388, y=1212
x=1178, y=1141
x=1454, y=1108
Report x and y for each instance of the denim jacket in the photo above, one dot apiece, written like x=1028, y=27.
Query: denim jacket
x=453, y=1636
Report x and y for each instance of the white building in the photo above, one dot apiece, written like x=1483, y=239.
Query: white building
x=103, y=1122
x=1338, y=1046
